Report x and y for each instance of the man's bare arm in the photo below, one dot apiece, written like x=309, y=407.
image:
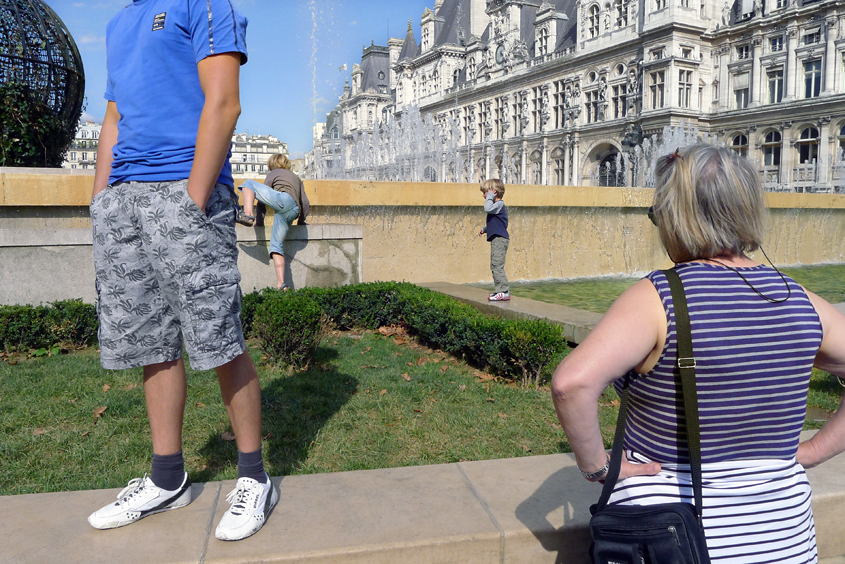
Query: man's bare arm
x=108, y=137
x=219, y=75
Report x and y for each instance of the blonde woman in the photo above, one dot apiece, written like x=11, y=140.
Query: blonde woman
x=283, y=192
x=756, y=335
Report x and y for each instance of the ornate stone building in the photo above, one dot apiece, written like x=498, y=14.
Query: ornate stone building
x=556, y=92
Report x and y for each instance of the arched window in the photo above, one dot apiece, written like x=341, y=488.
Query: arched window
x=558, y=157
x=771, y=148
x=543, y=41
x=740, y=145
x=841, y=138
x=435, y=81
x=335, y=135
x=429, y=174
x=621, y=9
x=610, y=171
x=423, y=87
x=593, y=23
x=471, y=70
x=808, y=145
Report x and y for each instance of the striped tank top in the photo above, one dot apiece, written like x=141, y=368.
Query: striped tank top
x=753, y=363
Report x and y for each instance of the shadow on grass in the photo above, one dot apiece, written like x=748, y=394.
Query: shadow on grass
x=294, y=408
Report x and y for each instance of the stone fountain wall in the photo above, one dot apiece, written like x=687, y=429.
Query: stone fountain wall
x=418, y=232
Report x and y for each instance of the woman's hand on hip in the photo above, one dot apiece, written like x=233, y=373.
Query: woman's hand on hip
x=629, y=470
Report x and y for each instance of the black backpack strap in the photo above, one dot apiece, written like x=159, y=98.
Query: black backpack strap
x=686, y=366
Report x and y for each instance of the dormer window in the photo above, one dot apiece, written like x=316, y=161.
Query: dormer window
x=594, y=21
x=686, y=53
x=543, y=42
x=621, y=13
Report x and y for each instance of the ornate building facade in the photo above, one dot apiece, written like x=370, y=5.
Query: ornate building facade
x=558, y=91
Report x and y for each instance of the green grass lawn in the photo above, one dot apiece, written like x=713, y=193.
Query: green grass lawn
x=596, y=294
x=368, y=401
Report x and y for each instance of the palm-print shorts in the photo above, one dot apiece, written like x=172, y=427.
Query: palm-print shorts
x=166, y=274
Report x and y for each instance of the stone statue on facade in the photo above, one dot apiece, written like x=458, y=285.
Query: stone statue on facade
x=726, y=14
x=519, y=51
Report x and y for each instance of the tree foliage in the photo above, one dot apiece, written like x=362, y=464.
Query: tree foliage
x=32, y=134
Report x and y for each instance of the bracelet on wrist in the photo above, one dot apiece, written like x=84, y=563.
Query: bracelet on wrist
x=598, y=473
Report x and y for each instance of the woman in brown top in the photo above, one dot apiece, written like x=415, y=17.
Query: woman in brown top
x=283, y=192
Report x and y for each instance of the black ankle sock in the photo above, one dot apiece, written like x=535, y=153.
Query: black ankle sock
x=251, y=465
x=168, y=471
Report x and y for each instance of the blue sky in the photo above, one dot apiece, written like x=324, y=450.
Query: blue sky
x=290, y=77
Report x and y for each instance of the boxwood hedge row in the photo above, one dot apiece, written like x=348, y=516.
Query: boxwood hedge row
x=289, y=326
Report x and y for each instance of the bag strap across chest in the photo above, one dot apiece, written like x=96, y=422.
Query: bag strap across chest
x=686, y=366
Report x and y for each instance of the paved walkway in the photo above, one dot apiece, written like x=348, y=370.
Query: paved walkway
x=521, y=510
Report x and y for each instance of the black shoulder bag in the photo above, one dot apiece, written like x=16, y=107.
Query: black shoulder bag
x=668, y=532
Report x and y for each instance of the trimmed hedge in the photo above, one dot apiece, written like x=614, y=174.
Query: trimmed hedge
x=69, y=322
x=289, y=326
x=521, y=350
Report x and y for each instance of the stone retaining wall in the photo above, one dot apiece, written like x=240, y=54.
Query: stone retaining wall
x=424, y=232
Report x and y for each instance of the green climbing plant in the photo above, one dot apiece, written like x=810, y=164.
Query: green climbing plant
x=31, y=133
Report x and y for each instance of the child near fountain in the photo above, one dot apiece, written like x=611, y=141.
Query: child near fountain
x=496, y=229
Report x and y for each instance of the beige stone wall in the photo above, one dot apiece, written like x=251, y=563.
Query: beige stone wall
x=423, y=232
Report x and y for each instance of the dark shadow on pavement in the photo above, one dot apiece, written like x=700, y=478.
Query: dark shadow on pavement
x=563, y=491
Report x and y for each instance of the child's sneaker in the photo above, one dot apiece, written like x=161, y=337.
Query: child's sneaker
x=139, y=499
x=500, y=297
x=251, y=503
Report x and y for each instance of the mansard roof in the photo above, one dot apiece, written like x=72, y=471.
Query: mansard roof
x=409, y=48
x=375, y=64
x=456, y=17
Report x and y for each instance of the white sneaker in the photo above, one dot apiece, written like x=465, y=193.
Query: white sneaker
x=500, y=297
x=139, y=499
x=251, y=503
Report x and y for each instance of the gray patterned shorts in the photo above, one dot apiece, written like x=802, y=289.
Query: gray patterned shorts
x=166, y=271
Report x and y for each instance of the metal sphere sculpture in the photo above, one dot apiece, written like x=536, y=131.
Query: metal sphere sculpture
x=42, y=85
x=37, y=49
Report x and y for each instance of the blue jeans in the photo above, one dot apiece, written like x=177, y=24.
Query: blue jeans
x=286, y=211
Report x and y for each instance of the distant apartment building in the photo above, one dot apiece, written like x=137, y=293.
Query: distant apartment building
x=82, y=153
x=249, y=152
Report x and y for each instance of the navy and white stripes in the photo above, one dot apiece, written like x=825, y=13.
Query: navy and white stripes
x=753, y=363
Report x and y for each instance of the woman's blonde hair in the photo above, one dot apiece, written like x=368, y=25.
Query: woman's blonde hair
x=708, y=201
x=494, y=184
x=278, y=160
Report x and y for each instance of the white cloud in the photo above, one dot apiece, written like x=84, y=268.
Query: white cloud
x=91, y=39
x=88, y=117
x=353, y=22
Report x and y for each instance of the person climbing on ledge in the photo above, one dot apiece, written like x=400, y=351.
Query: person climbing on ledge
x=284, y=193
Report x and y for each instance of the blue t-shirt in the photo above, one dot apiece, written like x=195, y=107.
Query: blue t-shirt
x=153, y=48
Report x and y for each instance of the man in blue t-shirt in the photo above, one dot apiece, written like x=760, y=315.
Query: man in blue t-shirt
x=163, y=214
